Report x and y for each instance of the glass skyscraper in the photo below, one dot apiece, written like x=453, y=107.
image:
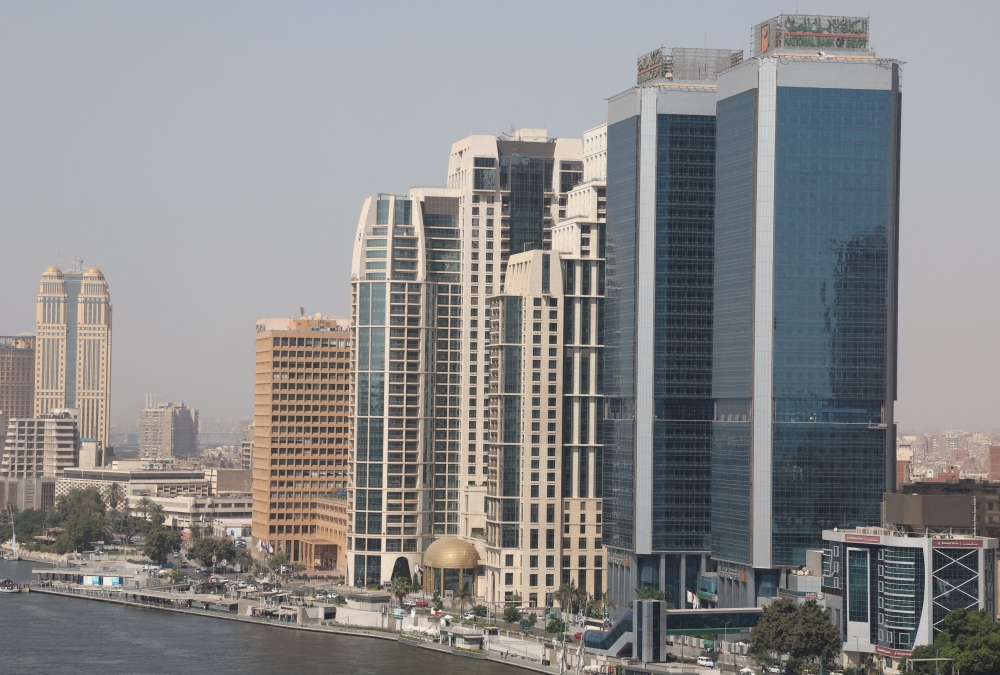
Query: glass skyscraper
x=804, y=321
x=658, y=324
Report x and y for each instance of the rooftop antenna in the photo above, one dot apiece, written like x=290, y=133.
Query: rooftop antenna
x=77, y=263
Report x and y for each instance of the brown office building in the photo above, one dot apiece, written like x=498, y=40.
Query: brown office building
x=301, y=419
x=17, y=376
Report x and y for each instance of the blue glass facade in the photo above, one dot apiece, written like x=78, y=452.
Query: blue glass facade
x=833, y=316
x=831, y=286
x=732, y=328
x=682, y=341
x=619, y=334
x=682, y=335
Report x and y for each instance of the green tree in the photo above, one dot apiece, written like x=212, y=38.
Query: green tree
x=114, y=495
x=556, y=626
x=205, y=548
x=801, y=631
x=480, y=610
x=649, y=593
x=157, y=515
x=566, y=595
x=463, y=596
x=81, y=531
x=511, y=614
x=176, y=575
x=195, y=531
x=971, y=638
x=242, y=557
x=277, y=560
x=400, y=588
x=144, y=506
x=160, y=543
x=80, y=502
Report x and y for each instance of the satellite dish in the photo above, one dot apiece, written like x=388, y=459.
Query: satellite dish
x=302, y=311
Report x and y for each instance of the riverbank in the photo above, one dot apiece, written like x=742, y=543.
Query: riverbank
x=116, y=598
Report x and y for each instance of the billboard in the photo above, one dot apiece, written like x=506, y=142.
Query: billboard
x=112, y=581
x=91, y=581
x=806, y=32
x=651, y=66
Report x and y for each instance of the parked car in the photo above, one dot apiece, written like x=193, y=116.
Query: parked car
x=469, y=616
x=706, y=662
x=774, y=668
x=398, y=613
x=422, y=603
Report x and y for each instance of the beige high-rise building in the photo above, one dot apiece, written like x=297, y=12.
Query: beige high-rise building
x=544, y=495
x=17, y=375
x=302, y=415
x=168, y=430
x=73, y=348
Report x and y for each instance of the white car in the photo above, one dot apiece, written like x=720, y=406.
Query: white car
x=706, y=662
x=469, y=616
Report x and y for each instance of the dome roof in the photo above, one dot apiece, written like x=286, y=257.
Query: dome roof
x=451, y=554
x=52, y=269
x=93, y=271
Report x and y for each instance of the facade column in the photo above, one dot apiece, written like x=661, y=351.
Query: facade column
x=663, y=572
x=591, y=472
x=704, y=563
x=576, y=471
x=682, y=585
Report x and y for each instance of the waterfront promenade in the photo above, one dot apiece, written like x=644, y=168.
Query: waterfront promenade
x=506, y=649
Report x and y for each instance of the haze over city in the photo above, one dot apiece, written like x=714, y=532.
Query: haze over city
x=213, y=160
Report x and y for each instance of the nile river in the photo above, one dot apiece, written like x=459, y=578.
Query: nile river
x=47, y=634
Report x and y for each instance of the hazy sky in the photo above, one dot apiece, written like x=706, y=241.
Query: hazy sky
x=212, y=159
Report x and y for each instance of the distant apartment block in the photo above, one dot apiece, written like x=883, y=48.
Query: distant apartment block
x=40, y=446
x=168, y=430
x=302, y=414
x=17, y=375
x=246, y=444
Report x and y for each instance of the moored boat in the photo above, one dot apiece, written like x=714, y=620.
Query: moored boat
x=8, y=586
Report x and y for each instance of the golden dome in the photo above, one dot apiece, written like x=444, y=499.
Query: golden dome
x=52, y=269
x=452, y=554
x=94, y=272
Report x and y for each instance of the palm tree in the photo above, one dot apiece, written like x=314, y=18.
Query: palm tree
x=114, y=495
x=607, y=604
x=400, y=588
x=156, y=514
x=464, y=595
x=565, y=595
x=144, y=506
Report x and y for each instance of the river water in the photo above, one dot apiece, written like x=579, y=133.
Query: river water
x=48, y=634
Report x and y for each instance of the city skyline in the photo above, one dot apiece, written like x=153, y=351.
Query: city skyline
x=166, y=294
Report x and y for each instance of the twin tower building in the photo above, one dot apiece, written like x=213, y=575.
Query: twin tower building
x=661, y=355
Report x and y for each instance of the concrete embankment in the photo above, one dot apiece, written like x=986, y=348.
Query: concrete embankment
x=114, y=597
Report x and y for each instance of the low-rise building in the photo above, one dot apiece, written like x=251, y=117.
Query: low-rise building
x=889, y=588
x=137, y=483
x=28, y=493
x=324, y=551
x=218, y=513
